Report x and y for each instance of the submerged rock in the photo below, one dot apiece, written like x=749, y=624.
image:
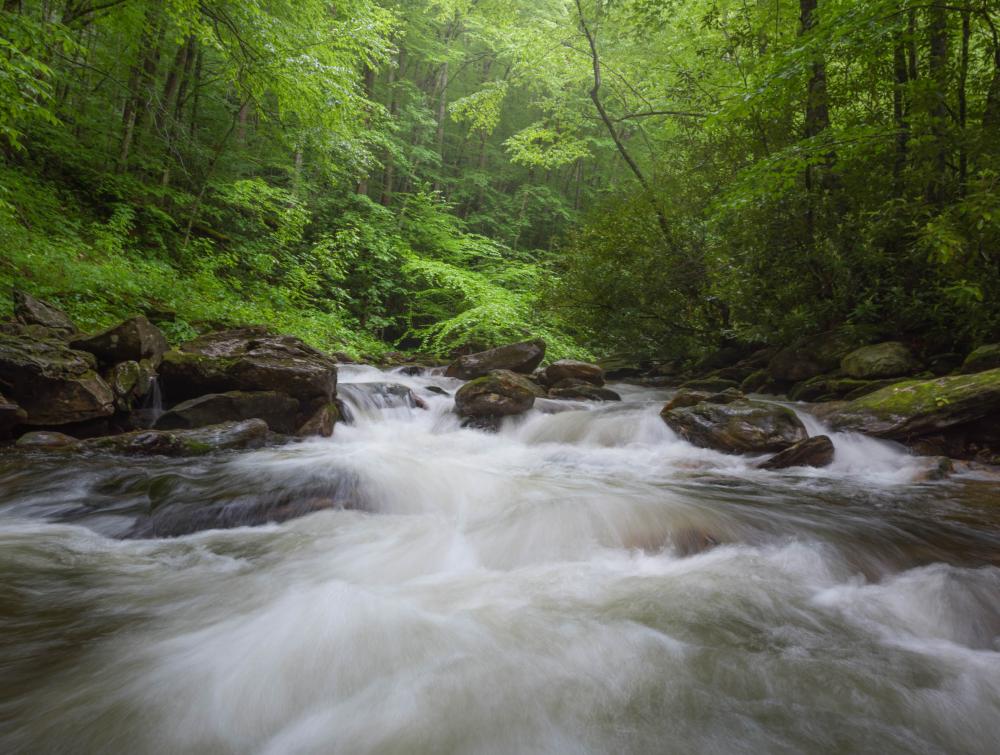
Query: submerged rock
x=31, y=311
x=248, y=359
x=133, y=340
x=573, y=370
x=817, y=451
x=881, y=360
x=278, y=410
x=740, y=427
x=500, y=394
x=53, y=384
x=521, y=357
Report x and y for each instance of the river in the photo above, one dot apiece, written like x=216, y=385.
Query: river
x=582, y=581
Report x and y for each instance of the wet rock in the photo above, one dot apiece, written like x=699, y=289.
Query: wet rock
x=130, y=381
x=31, y=311
x=740, y=427
x=502, y=393
x=710, y=385
x=53, y=384
x=46, y=440
x=227, y=436
x=817, y=451
x=982, y=359
x=378, y=396
x=686, y=397
x=880, y=360
x=521, y=357
x=278, y=410
x=756, y=382
x=133, y=340
x=810, y=358
x=691, y=541
x=570, y=369
x=943, y=364
x=11, y=415
x=248, y=359
x=915, y=408
x=941, y=469
x=321, y=422
x=582, y=390
x=436, y=389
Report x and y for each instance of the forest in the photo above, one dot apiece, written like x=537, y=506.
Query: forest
x=645, y=179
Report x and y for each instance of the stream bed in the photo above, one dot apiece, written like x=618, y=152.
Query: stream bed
x=582, y=581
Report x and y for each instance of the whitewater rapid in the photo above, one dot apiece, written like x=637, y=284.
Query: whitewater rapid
x=583, y=581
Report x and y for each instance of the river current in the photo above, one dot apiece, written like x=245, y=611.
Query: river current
x=582, y=581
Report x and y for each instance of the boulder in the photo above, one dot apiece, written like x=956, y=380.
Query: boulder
x=686, y=397
x=248, y=359
x=500, y=394
x=982, y=359
x=813, y=452
x=320, y=422
x=740, y=427
x=756, y=382
x=130, y=381
x=943, y=364
x=711, y=385
x=914, y=408
x=31, y=311
x=132, y=340
x=53, y=384
x=278, y=410
x=571, y=388
x=880, y=360
x=521, y=357
x=572, y=370
x=228, y=436
x=809, y=358
x=46, y=440
x=11, y=415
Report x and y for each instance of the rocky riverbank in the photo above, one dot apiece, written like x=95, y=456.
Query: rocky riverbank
x=124, y=390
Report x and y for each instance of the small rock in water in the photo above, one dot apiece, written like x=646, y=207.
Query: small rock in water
x=740, y=427
x=817, y=451
x=521, y=357
x=574, y=370
x=500, y=394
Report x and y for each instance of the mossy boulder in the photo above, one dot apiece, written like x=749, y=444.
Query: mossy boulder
x=133, y=340
x=582, y=390
x=521, y=357
x=31, y=311
x=982, y=359
x=880, y=360
x=739, y=427
x=500, y=394
x=710, y=385
x=686, y=397
x=52, y=383
x=914, y=408
x=227, y=436
x=248, y=359
x=571, y=369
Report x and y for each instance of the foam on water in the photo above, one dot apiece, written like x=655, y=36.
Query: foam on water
x=582, y=581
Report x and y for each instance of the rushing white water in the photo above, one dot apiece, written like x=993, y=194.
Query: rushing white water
x=582, y=581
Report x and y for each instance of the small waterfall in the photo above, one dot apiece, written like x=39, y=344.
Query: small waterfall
x=152, y=405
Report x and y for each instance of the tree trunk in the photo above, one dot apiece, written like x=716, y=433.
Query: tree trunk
x=938, y=69
x=141, y=80
x=369, y=87
x=389, y=176
x=963, y=105
x=595, y=96
x=900, y=108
